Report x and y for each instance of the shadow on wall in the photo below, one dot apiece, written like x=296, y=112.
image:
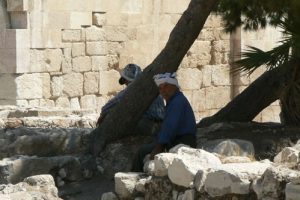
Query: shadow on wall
x=7, y=81
x=4, y=16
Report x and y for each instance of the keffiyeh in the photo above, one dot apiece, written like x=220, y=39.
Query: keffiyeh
x=166, y=78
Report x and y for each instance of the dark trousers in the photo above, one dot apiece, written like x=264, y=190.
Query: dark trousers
x=138, y=160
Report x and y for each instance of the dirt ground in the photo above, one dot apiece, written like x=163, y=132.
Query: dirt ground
x=91, y=189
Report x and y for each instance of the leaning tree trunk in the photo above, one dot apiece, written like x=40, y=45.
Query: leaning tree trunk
x=142, y=92
x=268, y=88
x=290, y=100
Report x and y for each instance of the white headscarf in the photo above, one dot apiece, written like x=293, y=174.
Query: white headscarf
x=166, y=78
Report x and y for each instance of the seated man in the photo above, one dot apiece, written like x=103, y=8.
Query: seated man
x=178, y=126
x=152, y=118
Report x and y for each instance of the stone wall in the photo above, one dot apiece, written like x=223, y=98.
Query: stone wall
x=67, y=53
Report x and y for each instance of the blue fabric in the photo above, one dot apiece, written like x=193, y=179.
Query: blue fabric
x=179, y=119
x=112, y=102
x=156, y=111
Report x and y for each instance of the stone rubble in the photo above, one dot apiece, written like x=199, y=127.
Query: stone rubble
x=187, y=173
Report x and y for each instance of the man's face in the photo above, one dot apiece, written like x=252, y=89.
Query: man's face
x=166, y=90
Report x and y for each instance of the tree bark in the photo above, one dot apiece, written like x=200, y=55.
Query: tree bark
x=290, y=100
x=261, y=93
x=142, y=91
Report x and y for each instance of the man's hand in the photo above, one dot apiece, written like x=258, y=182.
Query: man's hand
x=157, y=149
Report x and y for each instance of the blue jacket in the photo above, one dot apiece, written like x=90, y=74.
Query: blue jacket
x=179, y=119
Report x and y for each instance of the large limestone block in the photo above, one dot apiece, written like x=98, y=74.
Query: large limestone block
x=99, y=19
x=17, y=5
x=71, y=35
x=217, y=97
x=233, y=178
x=94, y=33
x=82, y=64
x=73, y=84
x=221, y=75
x=287, y=155
x=114, y=34
x=48, y=60
x=220, y=183
x=91, y=83
x=109, y=82
x=99, y=63
x=125, y=184
x=271, y=184
x=29, y=86
x=183, y=169
x=96, y=48
x=62, y=102
x=45, y=38
x=190, y=79
x=14, y=58
x=46, y=85
x=292, y=191
x=57, y=86
x=78, y=49
x=198, y=101
x=78, y=19
x=162, y=162
x=200, y=47
x=88, y=101
x=174, y=6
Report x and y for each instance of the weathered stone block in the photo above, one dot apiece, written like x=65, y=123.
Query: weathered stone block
x=45, y=60
x=47, y=103
x=91, y=83
x=71, y=35
x=96, y=48
x=17, y=5
x=74, y=103
x=199, y=100
x=125, y=184
x=78, y=49
x=45, y=38
x=82, y=64
x=78, y=19
x=190, y=79
x=16, y=38
x=57, y=86
x=19, y=20
x=73, y=84
x=29, y=86
x=109, y=82
x=177, y=6
x=94, y=33
x=220, y=75
x=88, y=101
x=114, y=34
x=99, y=19
x=62, y=102
x=99, y=63
x=217, y=97
x=46, y=85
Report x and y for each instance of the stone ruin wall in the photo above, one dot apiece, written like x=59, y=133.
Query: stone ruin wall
x=67, y=53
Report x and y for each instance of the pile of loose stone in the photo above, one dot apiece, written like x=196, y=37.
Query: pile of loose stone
x=185, y=173
x=42, y=150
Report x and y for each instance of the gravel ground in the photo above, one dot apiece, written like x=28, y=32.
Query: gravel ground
x=87, y=190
